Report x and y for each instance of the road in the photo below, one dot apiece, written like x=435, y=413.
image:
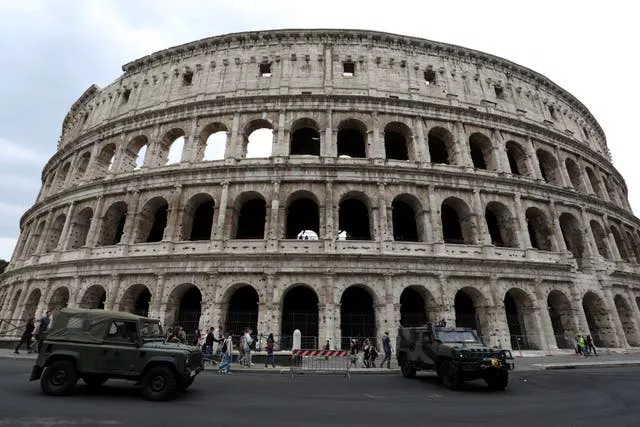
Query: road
x=593, y=397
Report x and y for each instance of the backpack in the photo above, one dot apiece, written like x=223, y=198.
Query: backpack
x=224, y=347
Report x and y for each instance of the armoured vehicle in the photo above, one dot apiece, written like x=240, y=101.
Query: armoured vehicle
x=97, y=345
x=456, y=354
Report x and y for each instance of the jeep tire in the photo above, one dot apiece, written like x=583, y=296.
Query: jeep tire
x=186, y=383
x=94, y=380
x=159, y=383
x=450, y=375
x=497, y=380
x=407, y=368
x=59, y=378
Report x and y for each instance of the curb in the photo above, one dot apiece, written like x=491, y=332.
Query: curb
x=558, y=366
x=286, y=371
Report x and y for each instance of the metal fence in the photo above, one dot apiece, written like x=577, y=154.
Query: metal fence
x=320, y=361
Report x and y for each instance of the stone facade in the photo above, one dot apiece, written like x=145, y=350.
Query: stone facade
x=469, y=189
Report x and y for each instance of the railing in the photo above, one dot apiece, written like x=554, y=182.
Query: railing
x=11, y=328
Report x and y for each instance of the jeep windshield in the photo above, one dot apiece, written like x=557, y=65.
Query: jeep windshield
x=151, y=330
x=457, y=336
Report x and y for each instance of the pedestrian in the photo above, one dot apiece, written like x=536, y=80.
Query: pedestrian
x=43, y=325
x=27, y=335
x=270, y=356
x=197, y=337
x=582, y=345
x=227, y=348
x=590, y=346
x=354, y=353
x=386, y=347
x=247, y=347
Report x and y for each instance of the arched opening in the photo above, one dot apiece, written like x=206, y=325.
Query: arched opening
x=414, y=307
x=595, y=184
x=59, y=299
x=613, y=195
x=500, y=225
x=62, y=175
x=575, y=176
x=242, y=311
x=405, y=227
x=539, y=230
x=622, y=249
x=258, y=141
x=152, y=221
x=457, y=222
x=94, y=298
x=54, y=234
x=353, y=218
x=212, y=142
x=113, y=224
x=441, y=146
x=465, y=308
x=635, y=246
x=397, y=137
x=305, y=138
x=302, y=214
x=104, y=162
x=14, y=303
x=300, y=311
x=517, y=159
x=481, y=152
x=33, y=241
x=521, y=320
x=598, y=320
x=563, y=320
x=548, y=167
x=31, y=305
x=170, y=147
x=184, y=309
x=251, y=220
x=599, y=237
x=80, y=228
x=357, y=316
x=572, y=234
x=352, y=139
x=83, y=163
x=137, y=299
x=626, y=318
x=197, y=219
x=135, y=154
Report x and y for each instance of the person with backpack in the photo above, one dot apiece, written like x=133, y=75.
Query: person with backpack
x=386, y=347
x=227, y=348
x=270, y=356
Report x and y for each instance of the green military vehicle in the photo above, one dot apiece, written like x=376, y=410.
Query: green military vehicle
x=455, y=354
x=98, y=345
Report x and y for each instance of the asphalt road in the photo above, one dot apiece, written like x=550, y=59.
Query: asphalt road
x=603, y=397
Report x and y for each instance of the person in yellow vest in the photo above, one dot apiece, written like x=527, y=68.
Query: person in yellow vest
x=583, y=345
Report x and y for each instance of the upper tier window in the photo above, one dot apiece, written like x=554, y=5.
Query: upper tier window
x=430, y=77
x=265, y=69
x=348, y=69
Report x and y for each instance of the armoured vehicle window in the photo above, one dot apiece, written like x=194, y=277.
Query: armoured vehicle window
x=456, y=336
x=122, y=331
x=151, y=330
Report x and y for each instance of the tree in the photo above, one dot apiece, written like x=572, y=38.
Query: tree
x=3, y=265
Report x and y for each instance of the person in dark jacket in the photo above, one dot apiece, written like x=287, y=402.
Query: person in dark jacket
x=27, y=335
x=386, y=347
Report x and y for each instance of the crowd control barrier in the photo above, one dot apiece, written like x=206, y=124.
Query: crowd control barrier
x=321, y=362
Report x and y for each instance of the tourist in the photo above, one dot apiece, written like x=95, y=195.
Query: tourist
x=386, y=347
x=270, y=356
x=27, y=335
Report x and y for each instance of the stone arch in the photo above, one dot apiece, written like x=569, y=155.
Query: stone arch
x=15, y=301
x=613, y=196
x=135, y=153
x=622, y=249
x=357, y=314
x=137, y=299
x=521, y=320
x=59, y=299
x=598, y=320
x=251, y=210
x=305, y=138
x=184, y=309
x=62, y=175
x=170, y=147
x=441, y=146
x=258, y=139
x=104, y=161
x=501, y=225
x=81, y=168
x=416, y=306
x=113, y=224
x=406, y=216
x=398, y=141
x=575, y=176
x=352, y=138
x=457, y=222
x=540, y=233
x=30, y=307
x=517, y=157
x=152, y=221
x=197, y=218
x=302, y=213
x=599, y=237
x=625, y=313
x=300, y=311
x=33, y=241
x=54, y=233
x=241, y=308
x=635, y=246
x=481, y=151
x=468, y=304
x=354, y=217
x=548, y=167
x=563, y=319
x=212, y=142
x=595, y=183
x=94, y=297
x=572, y=235
x=80, y=228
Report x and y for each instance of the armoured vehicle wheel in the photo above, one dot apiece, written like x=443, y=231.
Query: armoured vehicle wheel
x=450, y=375
x=94, y=380
x=59, y=378
x=160, y=383
x=187, y=383
x=408, y=371
x=498, y=380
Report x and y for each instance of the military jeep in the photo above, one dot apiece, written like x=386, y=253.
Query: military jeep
x=455, y=354
x=98, y=345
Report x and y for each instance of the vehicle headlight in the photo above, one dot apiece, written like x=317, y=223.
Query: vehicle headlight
x=507, y=354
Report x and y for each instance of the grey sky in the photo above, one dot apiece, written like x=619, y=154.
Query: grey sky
x=52, y=50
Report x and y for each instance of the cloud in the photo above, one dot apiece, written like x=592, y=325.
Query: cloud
x=12, y=153
x=10, y=209
x=6, y=247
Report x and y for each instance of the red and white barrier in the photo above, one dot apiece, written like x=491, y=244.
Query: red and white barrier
x=320, y=353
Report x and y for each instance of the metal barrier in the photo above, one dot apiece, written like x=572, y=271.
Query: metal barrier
x=320, y=361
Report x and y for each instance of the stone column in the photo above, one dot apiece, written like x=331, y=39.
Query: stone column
x=158, y=303
x=478, y=212
x=383, y=230
x=610, y=241
x=498, y=334
x=543, y=319
x=421, y=150
x=128, y=235
x=327, y=314
x=235, y=148
x=63, y=242
x=614, y=317
x=280, y=145
x=375, y=146
x=560, y=245
x=189, y=149
x=331, y=229
x=112, y=302
x=74, y=293
x=523, y=228
x=273, y=229
x=590, y=241
x=328, y=147
x=580, y=317
x=96, y=223
x=564, y=178
x=500, y=152
x=635, y=309
x=447, y=310
x=533, y=159
x=434, y=209
x=43, y=304
x=175, y=214
x=463, y=155
x=218, y=230
x=45, y=232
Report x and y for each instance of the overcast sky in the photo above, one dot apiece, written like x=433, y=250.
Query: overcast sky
x=52, y=50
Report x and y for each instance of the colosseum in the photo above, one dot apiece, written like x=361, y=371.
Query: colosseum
x=340, y=182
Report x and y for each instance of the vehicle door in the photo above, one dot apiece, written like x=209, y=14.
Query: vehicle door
x=119, y=354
